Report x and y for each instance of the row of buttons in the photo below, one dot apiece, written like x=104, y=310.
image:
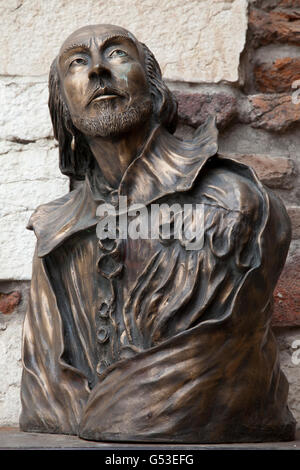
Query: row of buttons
x=109, y=266
x=102, y=333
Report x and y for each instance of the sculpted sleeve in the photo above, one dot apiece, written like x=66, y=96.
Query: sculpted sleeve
x=53, y=392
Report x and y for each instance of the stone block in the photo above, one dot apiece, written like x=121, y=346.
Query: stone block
x=10, y=355
x=289, y=347
x=278, y=25
x=193, y=41
x=8, y=302
x=277, y=76
x=271, y=4
x=29, y=178
x=272, y=112
x=274, y=172
x=16, y=245
x=24, y=114
x=193, y=108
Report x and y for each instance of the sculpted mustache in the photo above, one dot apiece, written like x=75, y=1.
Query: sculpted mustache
x=105, y=91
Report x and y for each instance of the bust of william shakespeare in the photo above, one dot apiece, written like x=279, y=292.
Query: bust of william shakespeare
x=150, y=320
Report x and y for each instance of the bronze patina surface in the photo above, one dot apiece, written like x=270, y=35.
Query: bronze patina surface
x=144, y=339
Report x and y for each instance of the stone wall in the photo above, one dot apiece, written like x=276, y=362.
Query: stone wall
x=236, y=59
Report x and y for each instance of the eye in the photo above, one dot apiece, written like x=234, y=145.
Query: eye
x=118, y=53
x=78, y=61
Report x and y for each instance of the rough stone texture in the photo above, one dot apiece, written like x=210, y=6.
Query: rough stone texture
x=28, y=178
x=268, y=5
x=287, y=295
x=274, y=172
x=11, y=369
x=192, y=40
x=272, y=52
x=243, y=139
x=273, y=112
x=294, y=249
x=278, y=25
x=24, y=114
x=193, y=108
x=8, y=302
x=277, y=76
x=289, y=346
x=10, y=355
x=294, y=213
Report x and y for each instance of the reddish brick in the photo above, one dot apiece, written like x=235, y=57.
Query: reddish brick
x=273, y=112
x=274, y=172
x=8, y=302
x=277, y=76
x=193, y=108
x=287, y=3
x=271, y=4
x=287, y=296
x=278, y=25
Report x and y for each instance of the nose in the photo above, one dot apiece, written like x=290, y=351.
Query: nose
x=98, y=69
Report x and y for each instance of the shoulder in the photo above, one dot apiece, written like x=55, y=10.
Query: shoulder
x=231, y=191
x=231, y=186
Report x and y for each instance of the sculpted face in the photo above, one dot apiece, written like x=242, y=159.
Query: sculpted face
x=104, y=81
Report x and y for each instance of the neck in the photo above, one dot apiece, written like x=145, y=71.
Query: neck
x=114, y=154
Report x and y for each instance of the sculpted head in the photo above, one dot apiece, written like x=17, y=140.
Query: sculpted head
x=104, y=83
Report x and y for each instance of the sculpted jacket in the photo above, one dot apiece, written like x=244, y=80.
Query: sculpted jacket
x=143, y=339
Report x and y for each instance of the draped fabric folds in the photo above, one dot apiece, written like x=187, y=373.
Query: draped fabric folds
x=177, y=346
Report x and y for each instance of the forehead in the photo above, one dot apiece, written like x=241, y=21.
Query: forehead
x=97, y=33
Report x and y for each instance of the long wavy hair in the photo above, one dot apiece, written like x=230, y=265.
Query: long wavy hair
x=75, y=163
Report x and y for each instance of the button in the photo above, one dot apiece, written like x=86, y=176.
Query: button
x=108, y=244
x=101, y=367
x=108, y=267
x=102, y=335
x=103, y=310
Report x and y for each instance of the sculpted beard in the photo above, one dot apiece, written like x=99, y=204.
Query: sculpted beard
x=109, y=122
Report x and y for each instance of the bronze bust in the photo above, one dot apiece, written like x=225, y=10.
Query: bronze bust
x=142, y=338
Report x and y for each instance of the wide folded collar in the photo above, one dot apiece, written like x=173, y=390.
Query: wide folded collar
x=167, y=165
